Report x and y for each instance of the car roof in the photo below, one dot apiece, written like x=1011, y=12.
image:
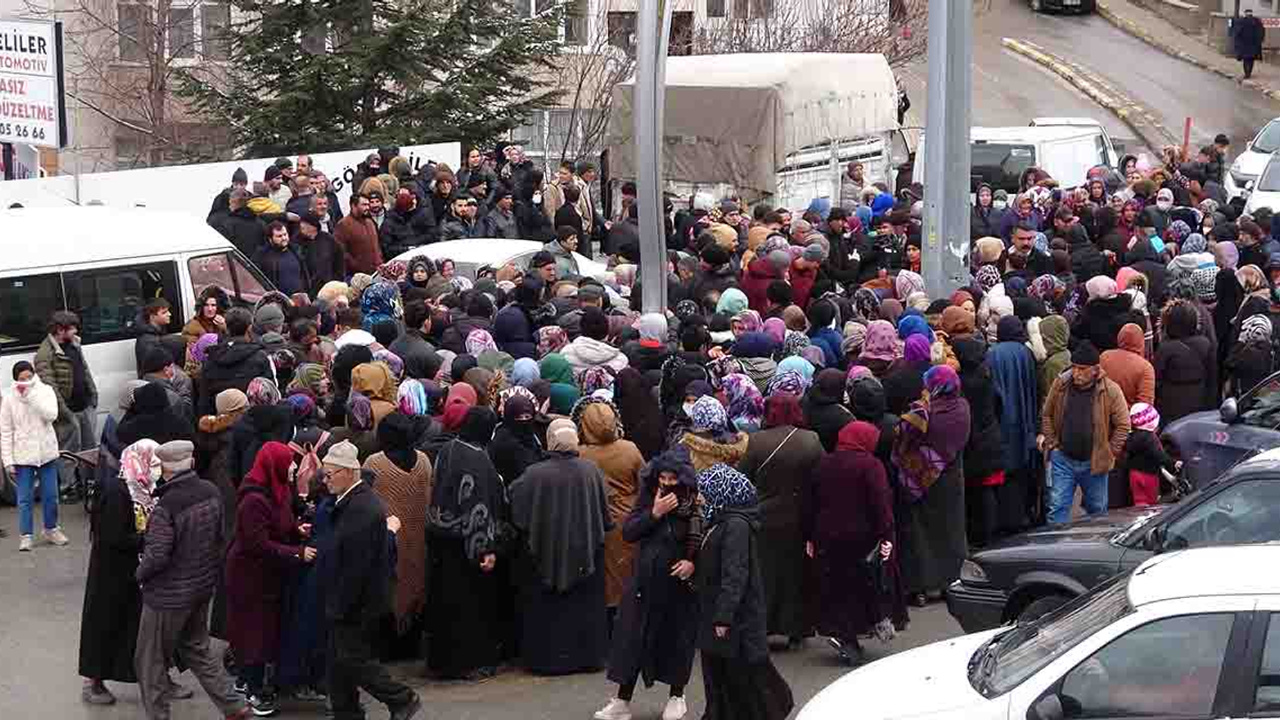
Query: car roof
x=45, y=237
x=1060, y=121
x=1031, y=133
x=474, y=251
x=1210, y=571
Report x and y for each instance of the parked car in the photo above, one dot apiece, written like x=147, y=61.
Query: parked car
x=1210, y=442
x=1264, y=192
x=1030, y=574
x=1076, y=6
x=1250, y=163
x=1192, y=634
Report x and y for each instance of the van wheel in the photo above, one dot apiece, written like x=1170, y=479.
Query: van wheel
x=1041, y=606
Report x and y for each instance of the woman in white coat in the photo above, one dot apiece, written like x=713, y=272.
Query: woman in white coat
x=29, y=450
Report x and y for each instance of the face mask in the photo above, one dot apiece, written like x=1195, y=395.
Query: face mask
x=537, y=198
x=688, y=407
x=1164, y=204
x=999, y=204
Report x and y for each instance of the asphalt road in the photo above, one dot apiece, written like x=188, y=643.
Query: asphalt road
x=41, y=595
x=1010, y=90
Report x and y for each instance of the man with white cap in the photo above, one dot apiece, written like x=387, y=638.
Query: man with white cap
x=178, y=572
x=355, y=572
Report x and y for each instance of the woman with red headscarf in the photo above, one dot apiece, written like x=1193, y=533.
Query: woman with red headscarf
x=266, y=546
x=779, y=457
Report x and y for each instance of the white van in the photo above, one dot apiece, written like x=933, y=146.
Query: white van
x=1001, y=154
x=104, y=264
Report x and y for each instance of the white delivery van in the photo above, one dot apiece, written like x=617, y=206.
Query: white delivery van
x=104, y=264
x=1001, y=154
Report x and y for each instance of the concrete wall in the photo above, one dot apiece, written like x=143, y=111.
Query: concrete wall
x=1186, y=16
x=1219, y=36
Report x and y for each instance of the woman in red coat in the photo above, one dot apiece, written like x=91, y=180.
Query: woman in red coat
x=848, y=526
x=267, y=545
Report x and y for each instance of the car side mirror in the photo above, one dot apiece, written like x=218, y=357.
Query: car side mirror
x=1229, y=411
x=1248, y=187
x=1048, y=707
x=1155, y=538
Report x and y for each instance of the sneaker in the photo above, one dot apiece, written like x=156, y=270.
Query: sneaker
x=241, y=687
x=56, y=537
x=97, y=695
x=675, y=709
x=24, y=544
x=178, y=692
x=616, y=710
x=263, y=706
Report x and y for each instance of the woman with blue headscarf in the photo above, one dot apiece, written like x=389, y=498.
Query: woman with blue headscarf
x=739, y=679
x=380, y=302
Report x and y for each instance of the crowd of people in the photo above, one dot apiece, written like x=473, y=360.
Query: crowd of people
x=409, y=463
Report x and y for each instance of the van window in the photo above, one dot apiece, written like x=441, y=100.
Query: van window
x=26, y=303
x=1000, y=165
x=244, y=289
x=109, y=299
x=250, y=283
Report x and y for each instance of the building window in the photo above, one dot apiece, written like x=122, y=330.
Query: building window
x=715, y=8
x=760, y=8
x=134, y=34
x=622, y=31
x=181, y=33
x=576, y=23
x=215, y=23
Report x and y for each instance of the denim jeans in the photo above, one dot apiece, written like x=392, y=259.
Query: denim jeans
x=1064, y=475
x=48, y=477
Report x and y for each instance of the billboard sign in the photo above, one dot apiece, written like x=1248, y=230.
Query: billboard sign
x=32, y=105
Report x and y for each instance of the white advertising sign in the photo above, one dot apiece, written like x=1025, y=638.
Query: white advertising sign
x=31, y=103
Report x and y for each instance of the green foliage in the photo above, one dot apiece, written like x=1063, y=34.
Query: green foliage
x=320, y=75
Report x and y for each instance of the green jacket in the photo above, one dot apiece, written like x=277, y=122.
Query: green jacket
x=54, y=368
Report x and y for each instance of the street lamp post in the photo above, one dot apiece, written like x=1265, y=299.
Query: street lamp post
x=653, y=26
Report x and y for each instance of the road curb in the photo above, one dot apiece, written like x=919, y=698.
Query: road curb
x=1132, y=28
x=1150, y=130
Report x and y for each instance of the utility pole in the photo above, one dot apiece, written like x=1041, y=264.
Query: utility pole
x=653, y=26
x=945, y=256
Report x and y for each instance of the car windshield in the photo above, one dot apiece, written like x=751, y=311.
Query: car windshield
x=1260, y=407
x=1268, y=140
x=1270, y=180
x=1017, y=654
x=1000, y=165
x=1132, y=535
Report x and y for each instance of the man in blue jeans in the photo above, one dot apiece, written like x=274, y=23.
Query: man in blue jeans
x=1085, y=424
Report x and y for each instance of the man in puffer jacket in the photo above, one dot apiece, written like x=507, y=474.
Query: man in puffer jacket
x=29, y=450
x=590, y=349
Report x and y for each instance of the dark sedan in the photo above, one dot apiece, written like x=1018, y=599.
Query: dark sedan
x=1211, y=442
x=1032, y=573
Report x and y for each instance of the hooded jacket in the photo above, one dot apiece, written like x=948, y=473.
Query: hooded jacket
x=585, y=352
x=1129, y=368
x=755, y=283
x=620, y=460
x=26, y=424
x=1055, y=336
x=1184, y=379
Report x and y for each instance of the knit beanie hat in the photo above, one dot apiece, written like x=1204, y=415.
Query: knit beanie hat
x=1144, y=417
x=1084, y=354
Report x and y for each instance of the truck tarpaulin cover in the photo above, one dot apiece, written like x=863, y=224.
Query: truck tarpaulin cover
x=735, y=118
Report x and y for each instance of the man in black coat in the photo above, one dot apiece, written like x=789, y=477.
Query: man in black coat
x=281, y=262
x=244, y=229
x=842, y=261
x=1247, y=34
x=222, y=201
x=323, y=258
x=232, y=363
x=355, y=572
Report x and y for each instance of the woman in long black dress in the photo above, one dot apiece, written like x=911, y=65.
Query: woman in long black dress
x=465, y=529
x=741, y=682
x=560, y=508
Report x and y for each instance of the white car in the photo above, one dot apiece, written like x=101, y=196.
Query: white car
x=1250, y=164
x=471, y=254
x=1264, y=191
x=1187, y=634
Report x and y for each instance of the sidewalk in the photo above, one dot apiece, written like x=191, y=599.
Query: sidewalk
x=1170, y=39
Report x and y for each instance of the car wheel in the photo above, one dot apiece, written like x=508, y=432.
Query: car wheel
x=1041, y=606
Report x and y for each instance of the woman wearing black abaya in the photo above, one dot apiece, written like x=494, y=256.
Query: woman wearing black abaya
x=641, y=414
x=465, y=528
x=515, y=444
x=560, y=508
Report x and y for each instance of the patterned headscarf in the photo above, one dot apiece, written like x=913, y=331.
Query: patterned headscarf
x=412, y=399
x=200, y=348
x=855, y=334
x=707, y=414
x=302, y=406
x=789, y=381
x=596, y=377
x=392, y=361
x=882, y=342
x=1251, y=279
x=941, y=380
x=1044, y=288
x=988, y=277
x=749, y=321
x=746, y=404
x=551, y=339
x=866, y=304
x=262, y=391
x=380, y=301
x=686, y=309
x=1255, y=328
x=478, y=341
x=359, y=412
x=1177, y=232
x=795, y=342
x=907, y=282
x=776, y=329
x=1195, y=243
x=308, y=377
x=140, y=467
x=511, y=392
x=723, y=487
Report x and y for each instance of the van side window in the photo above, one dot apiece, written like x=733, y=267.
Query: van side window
x=108, y=300
x=26, y=303
x=212, y=271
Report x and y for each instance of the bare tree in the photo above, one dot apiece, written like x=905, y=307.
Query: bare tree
x=896, y=29
x=588, y=74
x=121, y=59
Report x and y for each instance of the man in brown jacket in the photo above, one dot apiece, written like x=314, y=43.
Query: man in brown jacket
x=357, y=235
x=1086, y=424
x=1128, y=367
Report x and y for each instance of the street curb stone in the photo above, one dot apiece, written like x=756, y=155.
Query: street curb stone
x=1150, y=130
x=1136, y=31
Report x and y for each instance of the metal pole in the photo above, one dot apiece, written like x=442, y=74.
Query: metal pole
x=945, y=257
x=653, y=25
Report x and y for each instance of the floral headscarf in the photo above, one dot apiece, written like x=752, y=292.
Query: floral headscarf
x=262, y=391
x=140, y=468
x=748, y=321
x=478, y=341
x=551, y=339
x=788, y=381
x=392, y=361
x=1195, y=242
x=200, y=348
x=723, y=487
x=1044, y=288
x=707, y=414
x=596, y=377
x=799, y=365
x=379, y=302
x=866, y=304
x=359, y=413
x=795, y=342
x=941, y=380
x=746, y=404
x=882, y=342
x=988, y=277
x=776, y=329
x=394, y=270
x=412, y=399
